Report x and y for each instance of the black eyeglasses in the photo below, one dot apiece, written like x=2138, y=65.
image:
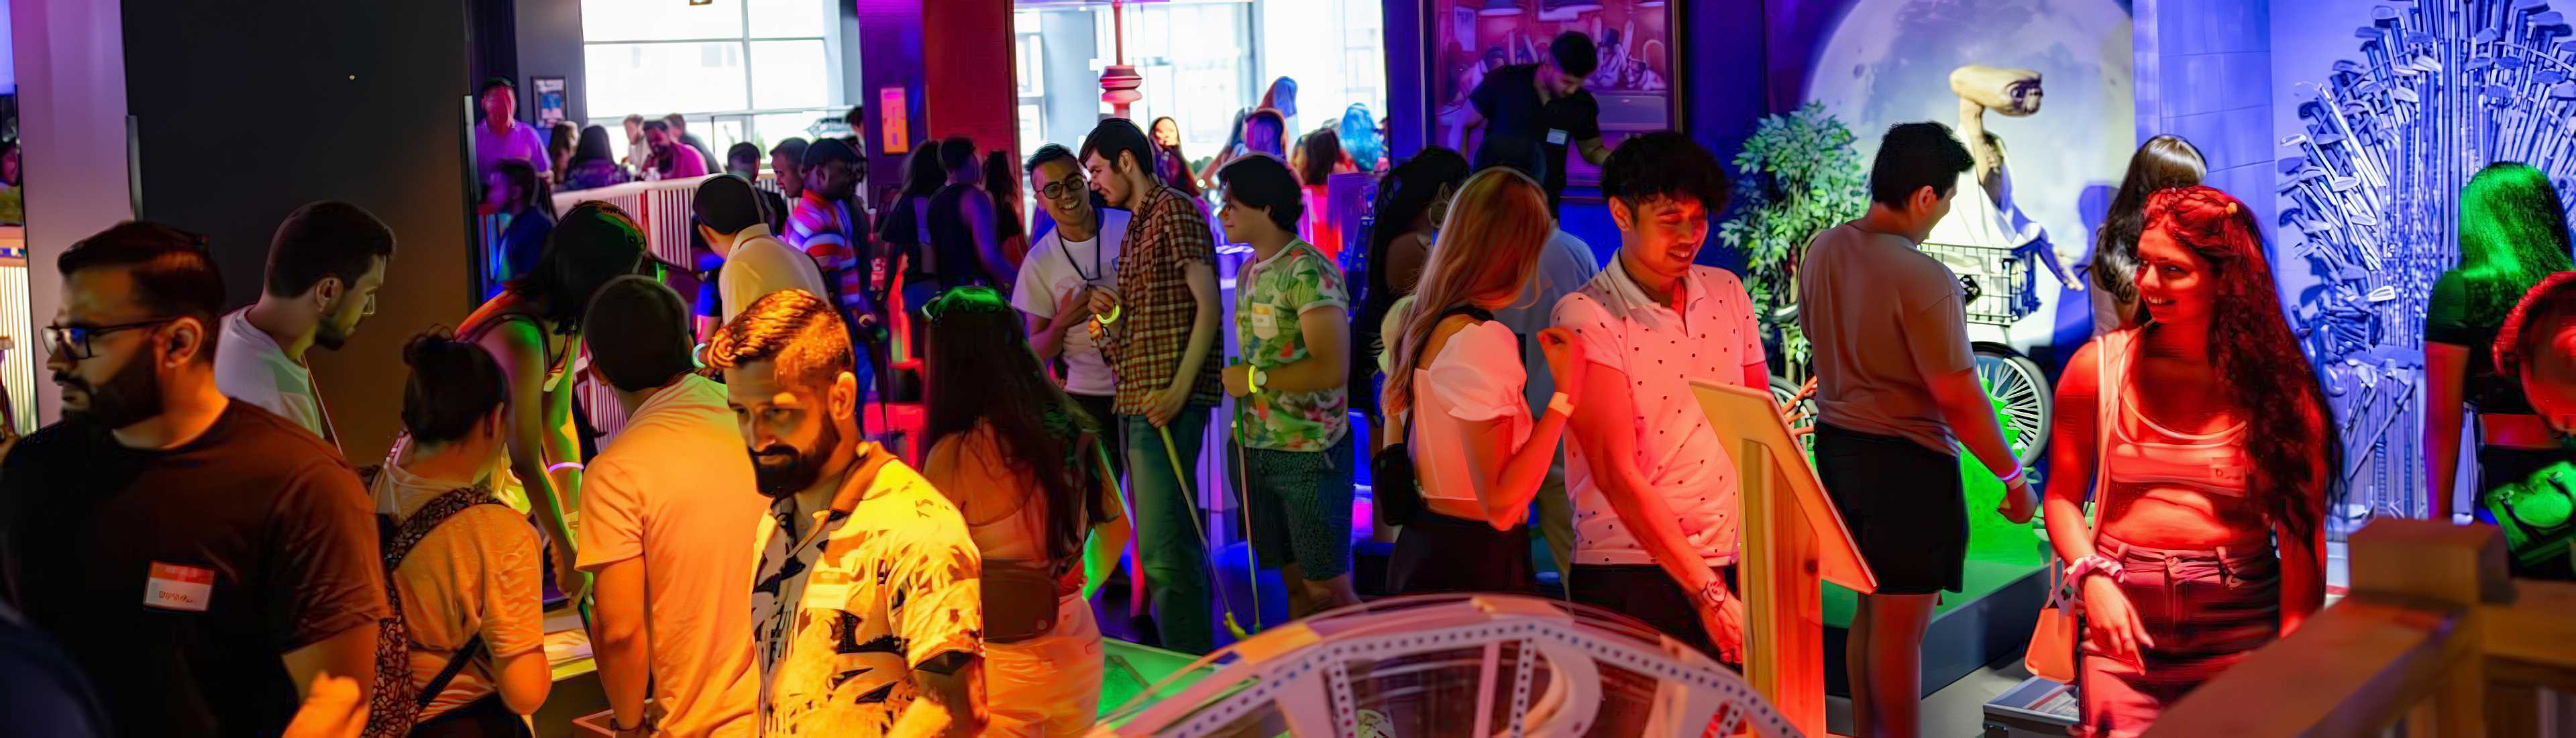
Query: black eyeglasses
x=1063, y=189
x=73, y=340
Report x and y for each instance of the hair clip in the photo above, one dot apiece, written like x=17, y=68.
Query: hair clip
x=2231, y=207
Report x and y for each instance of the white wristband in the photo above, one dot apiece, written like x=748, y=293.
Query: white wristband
x=2009, y=479
x=1561, y=404
x=2092, y=564
x=562, y=466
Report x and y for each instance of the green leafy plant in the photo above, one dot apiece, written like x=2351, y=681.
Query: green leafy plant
x=1797, y=176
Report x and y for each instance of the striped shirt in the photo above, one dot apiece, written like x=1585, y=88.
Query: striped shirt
x=824, y=230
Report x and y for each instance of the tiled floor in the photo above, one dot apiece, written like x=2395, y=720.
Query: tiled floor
x=1957, y=711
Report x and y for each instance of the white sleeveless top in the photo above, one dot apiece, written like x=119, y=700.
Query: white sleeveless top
x=1476, y=378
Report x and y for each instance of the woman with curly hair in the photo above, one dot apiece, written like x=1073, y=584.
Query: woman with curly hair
x=2513, y=232
x=2216, y=468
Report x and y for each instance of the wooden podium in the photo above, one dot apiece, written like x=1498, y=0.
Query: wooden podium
x=1793, y=539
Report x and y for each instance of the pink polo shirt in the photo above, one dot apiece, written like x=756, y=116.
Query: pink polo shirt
x=1661, y=351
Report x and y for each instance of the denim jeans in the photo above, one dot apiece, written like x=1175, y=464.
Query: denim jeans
x=1167, y=538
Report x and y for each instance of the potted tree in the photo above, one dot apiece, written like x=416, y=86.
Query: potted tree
x=1797, y=176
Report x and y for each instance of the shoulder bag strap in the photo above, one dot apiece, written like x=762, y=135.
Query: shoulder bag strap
x=408, y=535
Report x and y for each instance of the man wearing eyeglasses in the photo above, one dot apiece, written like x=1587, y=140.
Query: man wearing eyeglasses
x=324, y=267
x=1058, y=276
x=204, y=561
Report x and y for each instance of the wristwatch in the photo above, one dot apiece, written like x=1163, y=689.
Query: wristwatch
x=1714, y=594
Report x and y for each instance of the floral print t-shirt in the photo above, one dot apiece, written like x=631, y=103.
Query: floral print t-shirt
x=1269, y=295
x=882, y=582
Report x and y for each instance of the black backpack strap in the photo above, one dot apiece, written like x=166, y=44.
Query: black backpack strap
x=456, y=663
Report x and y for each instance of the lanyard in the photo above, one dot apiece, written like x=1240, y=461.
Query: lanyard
x=1099, y=242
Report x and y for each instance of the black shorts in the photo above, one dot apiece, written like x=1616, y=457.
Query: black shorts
x=1904, y=504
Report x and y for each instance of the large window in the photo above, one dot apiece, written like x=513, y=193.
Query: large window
x=755, y=70
x=1202, y=62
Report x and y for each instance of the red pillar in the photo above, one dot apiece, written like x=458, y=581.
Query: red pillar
x=970, y=81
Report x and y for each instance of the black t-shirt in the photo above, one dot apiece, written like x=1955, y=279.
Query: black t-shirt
x=1522, y=131
x=257, y=521
x=2447, y=320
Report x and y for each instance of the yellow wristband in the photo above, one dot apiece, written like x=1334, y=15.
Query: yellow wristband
x=1561, y=404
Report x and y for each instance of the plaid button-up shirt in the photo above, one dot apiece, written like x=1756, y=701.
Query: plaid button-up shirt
x=1165, y=237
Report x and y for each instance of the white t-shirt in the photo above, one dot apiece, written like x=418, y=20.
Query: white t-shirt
x=760, y=265
x=675, y=488
x=1476, y=378
x=1055, y=266
x=1677, y=455
x=251, y=368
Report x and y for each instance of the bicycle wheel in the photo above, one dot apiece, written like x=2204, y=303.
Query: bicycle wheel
x=2022, y=398
x=1783, y=391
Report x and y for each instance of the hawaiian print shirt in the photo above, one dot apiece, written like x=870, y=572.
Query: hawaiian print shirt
x=1268, y=297
x=882, y=582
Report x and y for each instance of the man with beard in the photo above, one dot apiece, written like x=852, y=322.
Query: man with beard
x=667, y=510
x=671, y=158
x=867, y=605
x=324, y=268
x=250, y=541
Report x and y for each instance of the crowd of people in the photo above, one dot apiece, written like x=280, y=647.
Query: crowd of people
x=748, y=561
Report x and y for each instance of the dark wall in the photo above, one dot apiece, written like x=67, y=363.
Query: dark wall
x=248, y=110
x=549, y=45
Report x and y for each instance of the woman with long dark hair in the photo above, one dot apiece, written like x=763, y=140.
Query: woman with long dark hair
x=1168, y=159
x=517, y=191
x=1456, y=373
x=2513, y=232
x=1002, y=181
x=474, y=573
x=1411, y=199
x=903, y=232
x=2162, y=162
x=533, y=329
x=1024, y=465
x=1319, y=157
x=2217, y=463
x=561, y=139
x=594, y=164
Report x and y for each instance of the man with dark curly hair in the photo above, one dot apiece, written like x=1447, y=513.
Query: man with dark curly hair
x=1654, y=491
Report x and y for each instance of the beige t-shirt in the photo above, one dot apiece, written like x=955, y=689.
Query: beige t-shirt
x=676, y=489
x=476, y=573
x=1883, y=318
x=760, y=264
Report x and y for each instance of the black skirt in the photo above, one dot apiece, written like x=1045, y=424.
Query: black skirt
x=1438, y=553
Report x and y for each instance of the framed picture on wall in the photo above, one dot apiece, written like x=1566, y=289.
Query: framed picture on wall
x=550, y=99
x=1636, y=83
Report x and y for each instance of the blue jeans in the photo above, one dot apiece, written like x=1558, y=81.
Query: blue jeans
x=1167, y=536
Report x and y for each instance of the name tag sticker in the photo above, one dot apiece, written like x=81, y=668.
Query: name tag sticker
x=179, y=587
x=1265, y=323
x=1556, y=137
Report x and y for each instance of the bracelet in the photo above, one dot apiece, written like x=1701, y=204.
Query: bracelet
x=616, y=727
x=1561, y=404
x=2009, y=479
x=1252, y=378
x=1112, y=317
x=561, y=466
x=2089, y=565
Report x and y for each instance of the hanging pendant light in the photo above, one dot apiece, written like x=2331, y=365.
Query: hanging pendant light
x=1500, y=7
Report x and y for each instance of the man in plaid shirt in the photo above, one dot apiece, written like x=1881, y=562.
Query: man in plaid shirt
x=1157, y=329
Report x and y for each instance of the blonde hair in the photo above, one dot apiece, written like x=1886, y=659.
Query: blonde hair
x=1497, y=226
